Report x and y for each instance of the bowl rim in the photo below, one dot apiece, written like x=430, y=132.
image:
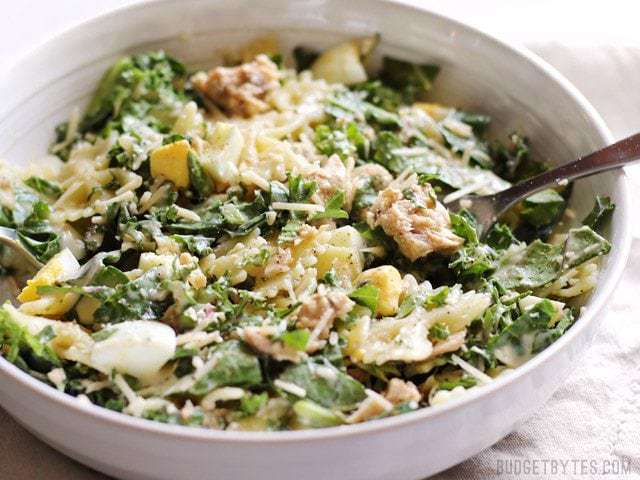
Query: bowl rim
x=604, y=291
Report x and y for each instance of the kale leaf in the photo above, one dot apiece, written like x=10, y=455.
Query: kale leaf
x=412, y=79
x=132, y=301
x=337, y=391
x=26, y=351
x=351, y=106
x=144, y=86
x=235, y=366
x=29, y=218
x=304, y=57
x=601, y=212
x=527, y=267
x=528, y=334
x=583, y=244
x=333, y=207
x=543, y=208
x=513, y=161
x=43, y=186
x=346, y=142
x=500, y=237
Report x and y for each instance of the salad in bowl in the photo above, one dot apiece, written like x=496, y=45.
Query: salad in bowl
x=259, y=247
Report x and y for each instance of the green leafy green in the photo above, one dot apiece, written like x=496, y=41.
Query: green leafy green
x=439, y=331
x=464, y=225
x=583, y=244
x=351, y=106
x=103, y=334
x=527, y=335
x=333, y=207
x=412, y=79
x=196, y=244
x=383, y=152
x=380, y=95
x=543, y=208
x=27, y=351
x=547, y=337
x=460, y=145
x=110, y=276
x=366, y=295
x=296, y=339
x=43, y=245
x=473, y=261
x=300, y=191
x=466, y=382
x=289, y=232
x=601, y=212
x=235, y=366
x=529, y=267
x=200, y=183
x=437, y=298
x=407, y=306
x=250, y=403
x=132, y=301
x=144, y=86
x=500, y=237
x=337, y=391
x=29, y=217
x=346, y=142
x=43, y=186
x=513, y=161
x=477, y=121
x=196, y=418
x=304, y=57
x=311, y=415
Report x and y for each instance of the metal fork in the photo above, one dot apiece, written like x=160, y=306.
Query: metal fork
x=488, y=208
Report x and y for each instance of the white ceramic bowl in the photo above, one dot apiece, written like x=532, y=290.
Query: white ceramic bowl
x=520, y=92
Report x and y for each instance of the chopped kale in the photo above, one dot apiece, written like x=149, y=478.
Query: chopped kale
x=601, y=212
x=200, y=183
x=296, y=339
x=543, y=208
x=26, y=351
x=351, y=106
x=500, y=237
x=311, y=415
x=530, y=266
x=134, y=300
x=235, y=366
x=582, y=245
x=143, y=86
x=412, y=79
x=29, y=218
x=338, y=391
x=513, y=161
x=380, y=95
x=304, y=57
x=528, y=334
x=439, y=331
x=367, y=296
x=43, y=186
x=383, y=152
x=333, y=207
x=466, y=382
x=345, y=142
x=437, y=298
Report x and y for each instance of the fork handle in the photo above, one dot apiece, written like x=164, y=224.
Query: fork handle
x=619, y=154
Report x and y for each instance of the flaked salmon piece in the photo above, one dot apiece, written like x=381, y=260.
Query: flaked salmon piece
x=414, y=218
x=398, y=391
x=242, y=90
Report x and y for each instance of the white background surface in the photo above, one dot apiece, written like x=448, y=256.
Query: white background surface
x=596, y=415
